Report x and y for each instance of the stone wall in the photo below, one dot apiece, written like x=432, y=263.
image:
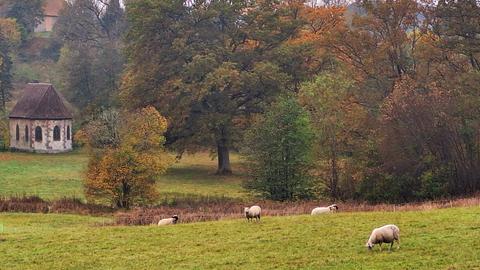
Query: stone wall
x=47, y=144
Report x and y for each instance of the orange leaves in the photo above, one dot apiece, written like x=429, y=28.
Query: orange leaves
x=319, y=23
x=124, y=174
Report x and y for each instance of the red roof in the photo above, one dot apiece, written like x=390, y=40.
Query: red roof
x=53, y=7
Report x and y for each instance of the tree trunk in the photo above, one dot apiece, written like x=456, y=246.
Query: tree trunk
x=4, y=97
x=224, y=167
x=334, y=180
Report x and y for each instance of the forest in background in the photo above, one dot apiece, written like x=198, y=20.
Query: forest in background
x=374, y=100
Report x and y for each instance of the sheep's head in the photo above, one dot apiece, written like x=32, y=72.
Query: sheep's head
x=333, y=207
x=245, y=210
x=369, y=245
x=175, y=218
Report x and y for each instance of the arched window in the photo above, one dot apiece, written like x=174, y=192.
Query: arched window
x=17, y=133
x=56, y=133
x=26, y=133
x=68, y=132
x=38, y=134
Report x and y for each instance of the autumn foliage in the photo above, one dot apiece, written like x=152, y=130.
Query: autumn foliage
x=124, y=175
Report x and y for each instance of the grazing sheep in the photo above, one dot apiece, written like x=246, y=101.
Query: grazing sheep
x=321, y=210
x=168, y=221
x=253, y=212
x=385, y=234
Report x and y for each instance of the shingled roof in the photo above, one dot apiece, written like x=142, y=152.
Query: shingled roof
x=40, y=101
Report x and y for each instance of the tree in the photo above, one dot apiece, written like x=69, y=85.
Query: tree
x=458, y=23
x=429, y=137
x=4, y=132
x=379, y=44
x=9, y=37
x=341, y=128
x=207, y=66
x=78, y=78
x=91, y=60
x=125, y=174
x=279, y=149
x=27, y=13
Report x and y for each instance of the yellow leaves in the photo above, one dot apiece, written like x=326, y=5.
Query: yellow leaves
x=144, y=130
x=125, y=175
x=8, y=30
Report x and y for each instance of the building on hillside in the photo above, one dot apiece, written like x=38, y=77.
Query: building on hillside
x=51, y=12
x=40, y=121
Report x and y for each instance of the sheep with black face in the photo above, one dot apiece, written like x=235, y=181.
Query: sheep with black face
x=168, y=221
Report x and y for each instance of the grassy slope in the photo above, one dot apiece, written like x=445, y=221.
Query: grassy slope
x=56, y=176
x=48, y=176
x=437, y=239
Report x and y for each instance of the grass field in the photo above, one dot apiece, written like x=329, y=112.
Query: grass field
x=57, y=176
x=436, y=239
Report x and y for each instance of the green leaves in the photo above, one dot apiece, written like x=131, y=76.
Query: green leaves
x=279, y=148
x=207, y=65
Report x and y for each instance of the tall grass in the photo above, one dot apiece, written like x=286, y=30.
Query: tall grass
x=35, y=204
x=209, y=210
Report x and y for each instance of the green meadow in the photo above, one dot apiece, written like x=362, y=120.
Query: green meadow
x=435, y=239
x=57, y=176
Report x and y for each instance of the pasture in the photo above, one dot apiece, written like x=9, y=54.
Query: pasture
x=431, y=239
x=57, y=176
x=435, y=239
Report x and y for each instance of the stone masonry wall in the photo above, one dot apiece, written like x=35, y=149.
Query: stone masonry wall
x=47, y=145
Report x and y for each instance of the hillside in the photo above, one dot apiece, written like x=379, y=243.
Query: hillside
x=437, y=239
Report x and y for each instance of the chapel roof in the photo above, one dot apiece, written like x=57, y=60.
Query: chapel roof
x=40, y=101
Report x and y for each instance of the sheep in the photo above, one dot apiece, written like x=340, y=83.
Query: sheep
x=253, y=212
x=386, y=234
x=168, y=221
x=321, y=210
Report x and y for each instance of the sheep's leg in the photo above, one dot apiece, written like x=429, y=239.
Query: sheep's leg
x=380, y=245
x=391, y=245
x=398, y=242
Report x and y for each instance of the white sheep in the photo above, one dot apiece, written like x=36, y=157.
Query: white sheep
x=253, y=212
x=168, y=221
x=386, y=234
x=321, y=210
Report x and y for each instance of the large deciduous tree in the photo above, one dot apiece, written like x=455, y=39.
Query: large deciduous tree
x=207, y=66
